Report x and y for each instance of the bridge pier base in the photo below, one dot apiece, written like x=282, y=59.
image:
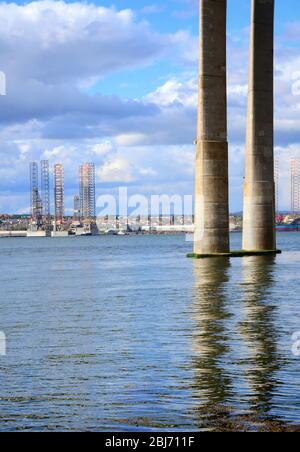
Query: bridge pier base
x=241, y=253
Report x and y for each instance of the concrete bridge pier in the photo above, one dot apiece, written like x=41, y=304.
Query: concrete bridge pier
x=211, y=197
x=259, y=189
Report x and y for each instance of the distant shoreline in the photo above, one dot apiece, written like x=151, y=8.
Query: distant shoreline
x=23, y=234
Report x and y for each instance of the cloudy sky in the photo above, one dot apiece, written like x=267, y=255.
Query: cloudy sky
x=115, y=83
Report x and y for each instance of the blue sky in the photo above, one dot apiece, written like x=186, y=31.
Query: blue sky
x=115, y=83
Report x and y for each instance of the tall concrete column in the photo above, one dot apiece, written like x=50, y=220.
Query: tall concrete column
x=211, y=197
x=259, y=189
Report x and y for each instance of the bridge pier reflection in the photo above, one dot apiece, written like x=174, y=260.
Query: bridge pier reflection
x=259, y=333
x=235, y=357
x=212, y=386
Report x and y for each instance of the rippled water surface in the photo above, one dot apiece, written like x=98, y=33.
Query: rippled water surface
x=125, y=333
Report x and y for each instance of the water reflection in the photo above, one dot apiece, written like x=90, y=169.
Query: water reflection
x=210, y=342
x=234, y=340
x=259, y=332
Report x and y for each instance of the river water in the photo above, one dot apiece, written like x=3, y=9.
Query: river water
x=126, y=334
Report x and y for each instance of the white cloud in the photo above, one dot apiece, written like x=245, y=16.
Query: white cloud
x=187, y=46
x=103, y=148
x=123, y=168
x=130, y=139
x=116, y=170
x=175, y=91
x=56, y=41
